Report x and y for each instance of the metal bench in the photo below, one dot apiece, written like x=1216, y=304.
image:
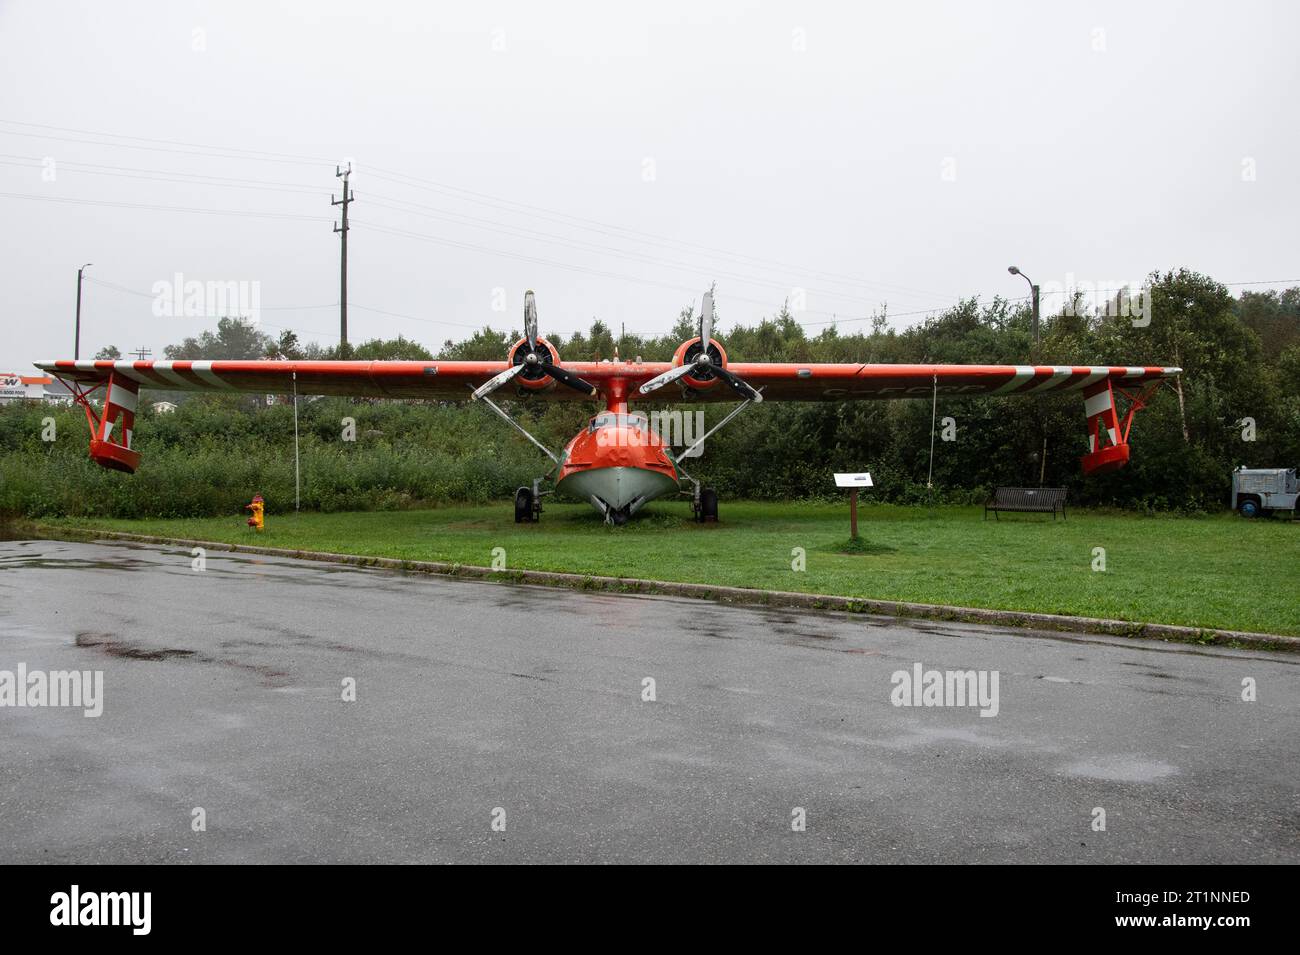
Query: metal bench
x=1034, y=499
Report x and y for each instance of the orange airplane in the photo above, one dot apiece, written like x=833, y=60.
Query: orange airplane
x=618, y=463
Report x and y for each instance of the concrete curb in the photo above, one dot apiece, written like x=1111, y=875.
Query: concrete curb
x=741, y=595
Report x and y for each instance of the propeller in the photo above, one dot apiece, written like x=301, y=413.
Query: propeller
x=738, y=384
x=530, y=320
x=706, y=320
x=702, y=365
x=533, y=360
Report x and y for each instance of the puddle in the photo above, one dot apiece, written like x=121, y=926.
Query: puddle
x=15, y=562
x=127, y=650
x=1122, y=769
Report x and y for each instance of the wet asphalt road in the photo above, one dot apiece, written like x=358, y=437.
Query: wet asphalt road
x=223, y=690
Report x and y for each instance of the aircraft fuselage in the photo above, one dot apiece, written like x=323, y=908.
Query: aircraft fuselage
x=617, y=463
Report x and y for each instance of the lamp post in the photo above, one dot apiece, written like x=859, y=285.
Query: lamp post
x=1033, y=295
x=76, y=343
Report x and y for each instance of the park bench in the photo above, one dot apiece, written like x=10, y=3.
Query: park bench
x=1033, y=499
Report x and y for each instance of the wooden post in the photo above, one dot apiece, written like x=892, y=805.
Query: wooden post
x=853, y=512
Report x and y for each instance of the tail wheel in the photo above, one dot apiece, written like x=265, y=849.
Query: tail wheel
x=524, y=506
x=708, y=505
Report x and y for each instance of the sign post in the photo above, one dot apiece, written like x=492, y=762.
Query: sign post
x=853, y=482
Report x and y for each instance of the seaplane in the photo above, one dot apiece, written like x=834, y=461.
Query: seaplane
x=618, y=463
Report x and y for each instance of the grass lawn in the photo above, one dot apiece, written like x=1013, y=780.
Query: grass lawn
x=1222, y=571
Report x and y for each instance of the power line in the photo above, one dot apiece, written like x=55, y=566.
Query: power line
x=151, y=295
x=208, y=152
x=489, y=225
x=835, y=318
x=415, y=318
x=236, y=152
x=167, y=142
x=566, y=219
x=161, y=208
x=163, y=175
x=452, y=243
x=292, y=308
x=605, y=228
x=466, y=195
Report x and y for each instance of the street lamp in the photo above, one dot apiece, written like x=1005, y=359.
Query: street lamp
x=1033, y=290
x=76, y=344
x=1033, y=294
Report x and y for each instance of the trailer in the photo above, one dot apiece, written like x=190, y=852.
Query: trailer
x=1259, y=492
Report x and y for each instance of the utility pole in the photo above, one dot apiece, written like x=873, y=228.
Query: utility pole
x=142, y=353
x=76, y=342
x=343, y=174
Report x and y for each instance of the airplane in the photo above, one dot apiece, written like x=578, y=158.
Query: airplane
x=618, y=463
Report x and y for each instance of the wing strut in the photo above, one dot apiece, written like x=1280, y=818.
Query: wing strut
x=518, y=427
x=677, y=459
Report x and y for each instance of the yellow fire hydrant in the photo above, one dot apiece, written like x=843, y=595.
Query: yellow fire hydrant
x=257, y=521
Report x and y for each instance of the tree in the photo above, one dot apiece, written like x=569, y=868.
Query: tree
x=392, y=349
x=110, y=353
x=1274, y=316
x=485, y=345
x=285, y=347
x=234, y=339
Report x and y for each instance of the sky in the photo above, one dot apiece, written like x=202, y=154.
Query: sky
x=618, y=159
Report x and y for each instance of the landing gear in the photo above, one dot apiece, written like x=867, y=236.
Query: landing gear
x=704, y=500
x=528, y=503
x=706, y=507
x=524, y=506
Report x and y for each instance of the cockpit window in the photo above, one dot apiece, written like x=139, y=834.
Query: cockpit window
x=609, y=420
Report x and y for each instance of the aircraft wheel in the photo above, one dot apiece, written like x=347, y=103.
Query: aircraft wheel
x=708, y=505
x=524, y=506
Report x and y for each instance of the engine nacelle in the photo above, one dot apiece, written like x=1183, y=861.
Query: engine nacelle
x=686, y=353
x=533, y=379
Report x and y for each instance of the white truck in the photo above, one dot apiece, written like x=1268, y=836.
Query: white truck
x=1261, y=491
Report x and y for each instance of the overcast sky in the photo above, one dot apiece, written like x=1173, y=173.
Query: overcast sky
x=618, y=157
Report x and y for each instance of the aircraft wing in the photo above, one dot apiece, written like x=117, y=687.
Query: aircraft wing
x=121, y=381
x=454, y=380
x=451, y=380
x=813, y=382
